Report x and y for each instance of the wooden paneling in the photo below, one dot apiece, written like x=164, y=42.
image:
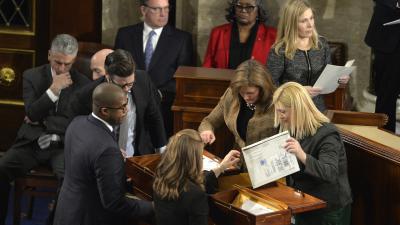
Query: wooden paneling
x=374, y=175
x=82, y=19
x=13, y=62
x=11, y=117
x=373, y=168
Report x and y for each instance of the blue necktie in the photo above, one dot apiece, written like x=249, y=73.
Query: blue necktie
x=148, y=51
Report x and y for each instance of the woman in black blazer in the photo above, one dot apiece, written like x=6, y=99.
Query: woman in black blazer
x=180, y=184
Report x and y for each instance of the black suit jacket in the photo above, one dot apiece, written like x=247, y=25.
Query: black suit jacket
x=40, y=109
x=93, y=191
x=149, y=130
x=174, y=48
x=385, y=39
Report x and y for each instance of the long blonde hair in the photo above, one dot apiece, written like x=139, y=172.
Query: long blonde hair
x=305, y=118
x=253, y=73
x=288, y=28
x=180, y=163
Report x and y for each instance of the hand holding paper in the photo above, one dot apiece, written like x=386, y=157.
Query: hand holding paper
x=267, y=160
x=328, y=81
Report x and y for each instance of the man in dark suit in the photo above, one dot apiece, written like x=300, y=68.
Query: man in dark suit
x=93, y=191
x=159, y=49
x=142, y=132
x=385, y=43
x=46, y=92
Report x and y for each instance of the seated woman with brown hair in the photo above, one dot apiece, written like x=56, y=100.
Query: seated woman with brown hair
x=318, y=147
x=180, y=185
x=245, y=108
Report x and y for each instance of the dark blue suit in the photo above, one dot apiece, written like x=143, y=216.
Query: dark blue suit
x=385, y=44
x=93, y=191
x=174, y=48
x=149, y=123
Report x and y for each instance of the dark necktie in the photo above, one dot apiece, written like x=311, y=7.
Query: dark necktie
x=148, y=51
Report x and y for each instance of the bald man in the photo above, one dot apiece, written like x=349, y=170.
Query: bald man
x=93, y=191
x=97, y=63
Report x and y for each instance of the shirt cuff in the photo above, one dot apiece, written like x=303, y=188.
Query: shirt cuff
x=51, y=95
x=161, y=149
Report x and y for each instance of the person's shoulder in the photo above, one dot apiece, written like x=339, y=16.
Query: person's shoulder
x=266, y=28
x=327, y=129
x=87, y=89
x=130, y=28
x=141, y=77
x=323, y=41
x=79, y=78
x=222, y=27
x=36, y=71
x=178, y=32
x=194, y=190
x=79, y=119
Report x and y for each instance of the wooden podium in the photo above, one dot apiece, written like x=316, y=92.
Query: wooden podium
x=198, y=91
x=286, y=200
x=373, y=158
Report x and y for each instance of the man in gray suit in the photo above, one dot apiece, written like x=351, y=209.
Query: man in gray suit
x=46, y=92
x=93, y=191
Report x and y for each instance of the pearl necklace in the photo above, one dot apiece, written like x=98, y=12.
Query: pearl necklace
x=251, y=106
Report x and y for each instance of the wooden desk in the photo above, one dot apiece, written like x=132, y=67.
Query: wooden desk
x=198, y=91
x=373, y=157
x=141, y=170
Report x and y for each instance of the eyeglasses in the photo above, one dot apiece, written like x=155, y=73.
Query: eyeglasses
x=123, y=86
x=123, y=107
x=245, y=8
x=158, y=10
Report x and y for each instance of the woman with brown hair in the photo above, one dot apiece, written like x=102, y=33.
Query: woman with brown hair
x=318, y=147
x=180, y=185
x=245, y=107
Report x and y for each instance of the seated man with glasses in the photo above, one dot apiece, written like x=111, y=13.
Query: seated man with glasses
x=159, y=49
x=244, y=37
x=142, y=130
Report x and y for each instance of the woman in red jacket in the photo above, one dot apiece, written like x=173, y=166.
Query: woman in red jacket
x=244, y=37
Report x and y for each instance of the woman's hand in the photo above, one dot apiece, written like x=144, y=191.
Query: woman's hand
x=207, y=136
x=313, y=91
x=293, y=146
x=231, y=159
x=344, y=79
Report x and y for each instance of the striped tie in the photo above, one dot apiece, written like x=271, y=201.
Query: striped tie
x=148, y=51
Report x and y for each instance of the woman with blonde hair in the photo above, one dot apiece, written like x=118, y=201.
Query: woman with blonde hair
x=245, y=107
x=299, y=53
x=180, y=185
x=320, y=151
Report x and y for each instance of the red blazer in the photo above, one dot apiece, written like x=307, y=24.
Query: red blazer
x=217, y=54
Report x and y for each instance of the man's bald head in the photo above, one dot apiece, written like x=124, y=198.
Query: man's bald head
x=97, y=63
x=109, y=102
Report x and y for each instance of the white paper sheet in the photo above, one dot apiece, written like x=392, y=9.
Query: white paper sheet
x=209, y=164
x=255, y=208
x=268, y=161
x=394, y=22
x=328, y=80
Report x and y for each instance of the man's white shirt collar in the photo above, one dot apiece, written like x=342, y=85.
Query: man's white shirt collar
x=103, y=121
x=147, y=30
